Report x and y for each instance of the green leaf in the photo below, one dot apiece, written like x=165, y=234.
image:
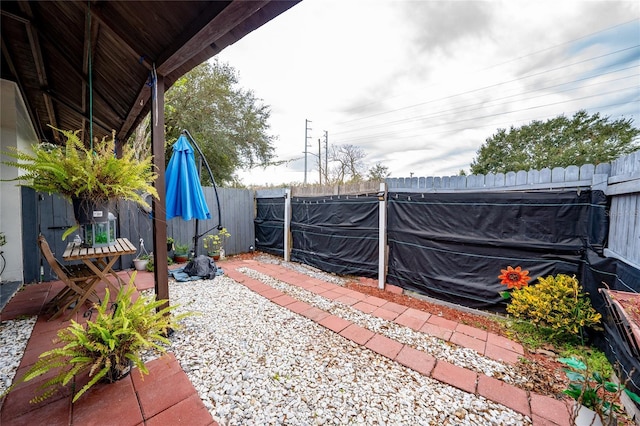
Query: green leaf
x=634, y=396
x=69, y=231
x=505, y=295
x=597, y=377
x=574, y=376
x=611, y=387
x=573, y=362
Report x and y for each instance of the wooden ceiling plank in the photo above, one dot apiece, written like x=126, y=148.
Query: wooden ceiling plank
x=82, y=75
x=212, y=29
x=7, y=56
x=36, y=52
x=121, y=39
x=76, y=109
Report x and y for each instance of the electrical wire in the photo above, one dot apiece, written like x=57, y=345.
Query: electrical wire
x=378, y=101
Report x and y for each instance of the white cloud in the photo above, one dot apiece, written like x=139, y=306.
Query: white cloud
x=420, y=85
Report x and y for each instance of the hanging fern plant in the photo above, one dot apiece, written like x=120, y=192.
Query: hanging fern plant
x=74, y=171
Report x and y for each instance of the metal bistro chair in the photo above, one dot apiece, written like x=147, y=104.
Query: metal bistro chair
x=79, y=282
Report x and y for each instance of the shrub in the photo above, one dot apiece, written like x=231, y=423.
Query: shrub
x=555, y=302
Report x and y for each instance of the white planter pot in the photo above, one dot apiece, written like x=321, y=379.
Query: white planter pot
x=587, y=417
x=140, y=264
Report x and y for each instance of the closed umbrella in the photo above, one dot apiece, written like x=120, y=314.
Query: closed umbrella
x=183, y=190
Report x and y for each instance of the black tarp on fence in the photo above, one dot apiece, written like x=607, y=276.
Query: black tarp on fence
x=269, y=225
x=336, y=233
x=452, y=246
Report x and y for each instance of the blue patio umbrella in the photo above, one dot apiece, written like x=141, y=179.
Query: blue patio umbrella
x=182, y=183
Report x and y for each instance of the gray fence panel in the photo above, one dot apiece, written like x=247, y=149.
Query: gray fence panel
x=624, y=229
x=52, y=215
x=236, y=210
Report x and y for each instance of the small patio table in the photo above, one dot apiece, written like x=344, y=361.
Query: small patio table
x=105, y=258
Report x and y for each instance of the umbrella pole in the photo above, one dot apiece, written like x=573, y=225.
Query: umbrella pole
x=196, y=237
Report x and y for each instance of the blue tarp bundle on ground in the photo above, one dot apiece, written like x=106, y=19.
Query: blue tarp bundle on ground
x=202, y=267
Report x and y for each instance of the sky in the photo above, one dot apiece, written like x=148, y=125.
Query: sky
x=420, y=85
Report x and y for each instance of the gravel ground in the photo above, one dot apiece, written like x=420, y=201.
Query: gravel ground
x=14, y=335
x=256, y=363
x=454, y=354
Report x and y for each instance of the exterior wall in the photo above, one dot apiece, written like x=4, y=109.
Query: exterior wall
x=15, y=131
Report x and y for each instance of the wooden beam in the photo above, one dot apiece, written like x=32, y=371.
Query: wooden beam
x=141, y=103
x=225, y=21
x=122, y=39
x=160, y=272
x=36, y=53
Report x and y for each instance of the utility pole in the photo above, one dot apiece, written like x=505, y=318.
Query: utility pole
x=319, y=163
x=326, y=156
x=306, y=145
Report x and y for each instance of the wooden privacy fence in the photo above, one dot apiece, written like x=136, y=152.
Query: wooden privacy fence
x=52, y=215
x=620, y=181
x=623, y=186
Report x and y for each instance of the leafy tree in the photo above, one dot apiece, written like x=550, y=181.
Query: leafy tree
x=558, y=142
x=229, y=123
x=378, y=172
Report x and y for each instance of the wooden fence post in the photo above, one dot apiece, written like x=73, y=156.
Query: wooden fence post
x=287, y=225
x=382, y=235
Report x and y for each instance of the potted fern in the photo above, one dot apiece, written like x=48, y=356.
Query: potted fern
x=108, y=346
x=91, y=178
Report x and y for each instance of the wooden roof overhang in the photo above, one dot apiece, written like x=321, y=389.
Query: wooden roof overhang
x=49, y=48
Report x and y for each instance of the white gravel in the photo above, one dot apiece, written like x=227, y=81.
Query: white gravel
x=256, y=363
x=454, y=354
x=14, y=335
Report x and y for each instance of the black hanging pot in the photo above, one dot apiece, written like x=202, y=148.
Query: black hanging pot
x=91, y=211
x=118, y=372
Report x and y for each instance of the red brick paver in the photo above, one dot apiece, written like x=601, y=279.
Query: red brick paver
x=335, y=323
x=504, y=393
x=417, y=360
x=549, y=409
x=384, y=346
x=357, y=334
x=453, y=375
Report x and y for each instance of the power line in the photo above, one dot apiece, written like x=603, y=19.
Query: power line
x=511, y=60
x=511, y=122
x=465, y=108
x=492, y=86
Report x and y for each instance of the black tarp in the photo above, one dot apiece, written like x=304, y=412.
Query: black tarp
x=336, y=233
x=451, y=246
x=617, y=275
x=269, y=225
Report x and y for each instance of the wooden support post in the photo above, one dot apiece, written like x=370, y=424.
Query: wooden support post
x=161, y=276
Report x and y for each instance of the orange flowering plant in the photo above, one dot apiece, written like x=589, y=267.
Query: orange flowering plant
x=513, y=278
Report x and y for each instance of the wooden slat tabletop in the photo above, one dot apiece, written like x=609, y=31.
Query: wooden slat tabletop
x=75, y=251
